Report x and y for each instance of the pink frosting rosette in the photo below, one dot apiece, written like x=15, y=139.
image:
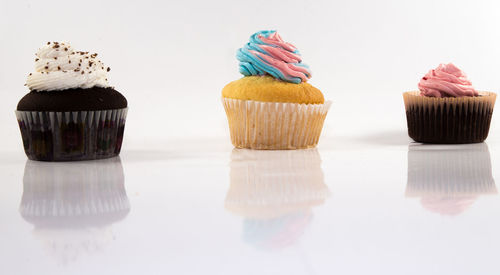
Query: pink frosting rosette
x=447, y=80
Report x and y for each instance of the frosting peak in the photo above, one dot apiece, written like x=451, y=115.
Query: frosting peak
x=59, y=67
x=447, y=80
x=267, y=53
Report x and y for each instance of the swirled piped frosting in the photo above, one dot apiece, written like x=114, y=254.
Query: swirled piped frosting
x=268, y=54
x=59, y=67
x=447, y=80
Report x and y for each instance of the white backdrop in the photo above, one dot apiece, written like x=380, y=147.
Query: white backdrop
x=172, y=58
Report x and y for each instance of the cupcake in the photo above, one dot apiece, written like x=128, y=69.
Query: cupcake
x=273, y=106
x=275, y=192
x=447, y=109
x=71, y=112
x=449, y=179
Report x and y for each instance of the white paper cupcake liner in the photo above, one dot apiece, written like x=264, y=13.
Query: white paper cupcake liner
x=274, y=126
x=65, y=136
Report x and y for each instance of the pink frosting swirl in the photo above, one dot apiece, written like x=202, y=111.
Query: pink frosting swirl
x=447, y=80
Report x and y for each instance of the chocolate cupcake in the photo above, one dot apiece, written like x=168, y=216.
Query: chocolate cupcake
x=447, y=109
x=71, y=112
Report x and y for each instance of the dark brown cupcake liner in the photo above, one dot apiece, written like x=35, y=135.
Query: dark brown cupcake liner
x=449, y=120
x=68, y=136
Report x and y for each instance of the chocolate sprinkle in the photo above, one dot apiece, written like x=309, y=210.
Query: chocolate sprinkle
x=108, y=69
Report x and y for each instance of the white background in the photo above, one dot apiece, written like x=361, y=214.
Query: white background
x=171, y=60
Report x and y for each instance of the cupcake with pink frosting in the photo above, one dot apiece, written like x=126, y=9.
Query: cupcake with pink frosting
x=447, y=109
x=273, y=106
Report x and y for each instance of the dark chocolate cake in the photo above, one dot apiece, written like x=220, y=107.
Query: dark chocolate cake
x=78, y=99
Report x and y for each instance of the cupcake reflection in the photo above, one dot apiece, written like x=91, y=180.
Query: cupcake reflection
x=72, y=204
x=449, y=178
x=275, y=192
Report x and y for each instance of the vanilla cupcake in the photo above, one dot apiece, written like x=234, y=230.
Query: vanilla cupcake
x=71, y=112
x=273, y=106
x=447, y=109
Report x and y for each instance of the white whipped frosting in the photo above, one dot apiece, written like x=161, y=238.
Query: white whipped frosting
x=58, y=67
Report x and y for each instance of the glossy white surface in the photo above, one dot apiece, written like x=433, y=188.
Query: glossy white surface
x=374, y=205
